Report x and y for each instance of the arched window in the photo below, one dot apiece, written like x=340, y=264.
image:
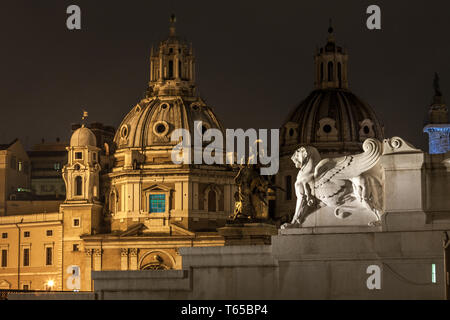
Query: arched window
x=170, y=69
x=180, y=73
x=78, y=186
x=321, y=72
x=330, y=71
x=212, y=201
x=339, y=74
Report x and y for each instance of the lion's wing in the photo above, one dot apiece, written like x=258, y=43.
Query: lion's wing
x=349, y=166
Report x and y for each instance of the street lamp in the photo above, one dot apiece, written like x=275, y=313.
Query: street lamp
x=50, y=284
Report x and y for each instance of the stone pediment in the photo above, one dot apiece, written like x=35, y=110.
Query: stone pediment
x=158, y=187
x=4, y=284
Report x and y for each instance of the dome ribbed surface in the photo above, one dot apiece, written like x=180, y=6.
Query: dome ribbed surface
x=153, y=120
x=83, y=137
x=350, y=114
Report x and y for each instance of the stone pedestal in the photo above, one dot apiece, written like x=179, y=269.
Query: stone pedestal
x=248, y=233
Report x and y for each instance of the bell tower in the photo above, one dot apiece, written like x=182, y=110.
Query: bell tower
x=82, y=210
x=172, y=66
x=81, y=173
x=331, y=65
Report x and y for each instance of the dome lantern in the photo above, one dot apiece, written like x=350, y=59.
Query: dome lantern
x=171, y=102
x=331, y=65
x=172, y=67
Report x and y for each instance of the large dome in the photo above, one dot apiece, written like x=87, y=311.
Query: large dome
x=171, y=102
x=331, y=118
x=152, y=121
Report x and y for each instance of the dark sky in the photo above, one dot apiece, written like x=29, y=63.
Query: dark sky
x=254, y=58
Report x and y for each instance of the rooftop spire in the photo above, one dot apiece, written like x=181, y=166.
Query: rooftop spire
x=84, y=118
x=330, y=32
x=438, y=99
x=172, y=20
x=437, y=90
x=172, y=66
x=331, y=64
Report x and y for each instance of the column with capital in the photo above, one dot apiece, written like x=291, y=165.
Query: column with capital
x=87, y=270
x=134, y=258
x=124, y=259
x=97, y=263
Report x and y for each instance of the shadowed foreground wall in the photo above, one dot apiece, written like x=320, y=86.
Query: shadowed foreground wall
x=295, y=266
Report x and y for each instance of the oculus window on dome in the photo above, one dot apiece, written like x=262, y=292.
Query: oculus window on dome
x=161, y=128
x=124, y=131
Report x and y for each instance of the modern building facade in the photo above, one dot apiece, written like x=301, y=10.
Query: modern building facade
x=14, y=173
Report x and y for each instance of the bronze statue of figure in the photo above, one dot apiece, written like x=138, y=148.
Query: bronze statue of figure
x=251, y=198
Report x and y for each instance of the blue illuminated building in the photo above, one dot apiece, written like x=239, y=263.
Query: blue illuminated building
x=438, y=128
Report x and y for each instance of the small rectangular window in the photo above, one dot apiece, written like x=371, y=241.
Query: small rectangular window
x=94, y=155
x=76, y=222
x=49, y=233
x=26, y=234
x=76, y=247
x=157, y=203
x=20, y=166
x=78, y=155
x=26, y=287
x=26, y=257
x=433, y=273
x=57, y=166
x=4, y=258
x=48, y=256
x=4, y=235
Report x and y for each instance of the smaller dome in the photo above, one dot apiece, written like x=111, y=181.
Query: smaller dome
x=83, y=137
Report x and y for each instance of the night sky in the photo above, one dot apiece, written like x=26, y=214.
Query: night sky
x=254, y=60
